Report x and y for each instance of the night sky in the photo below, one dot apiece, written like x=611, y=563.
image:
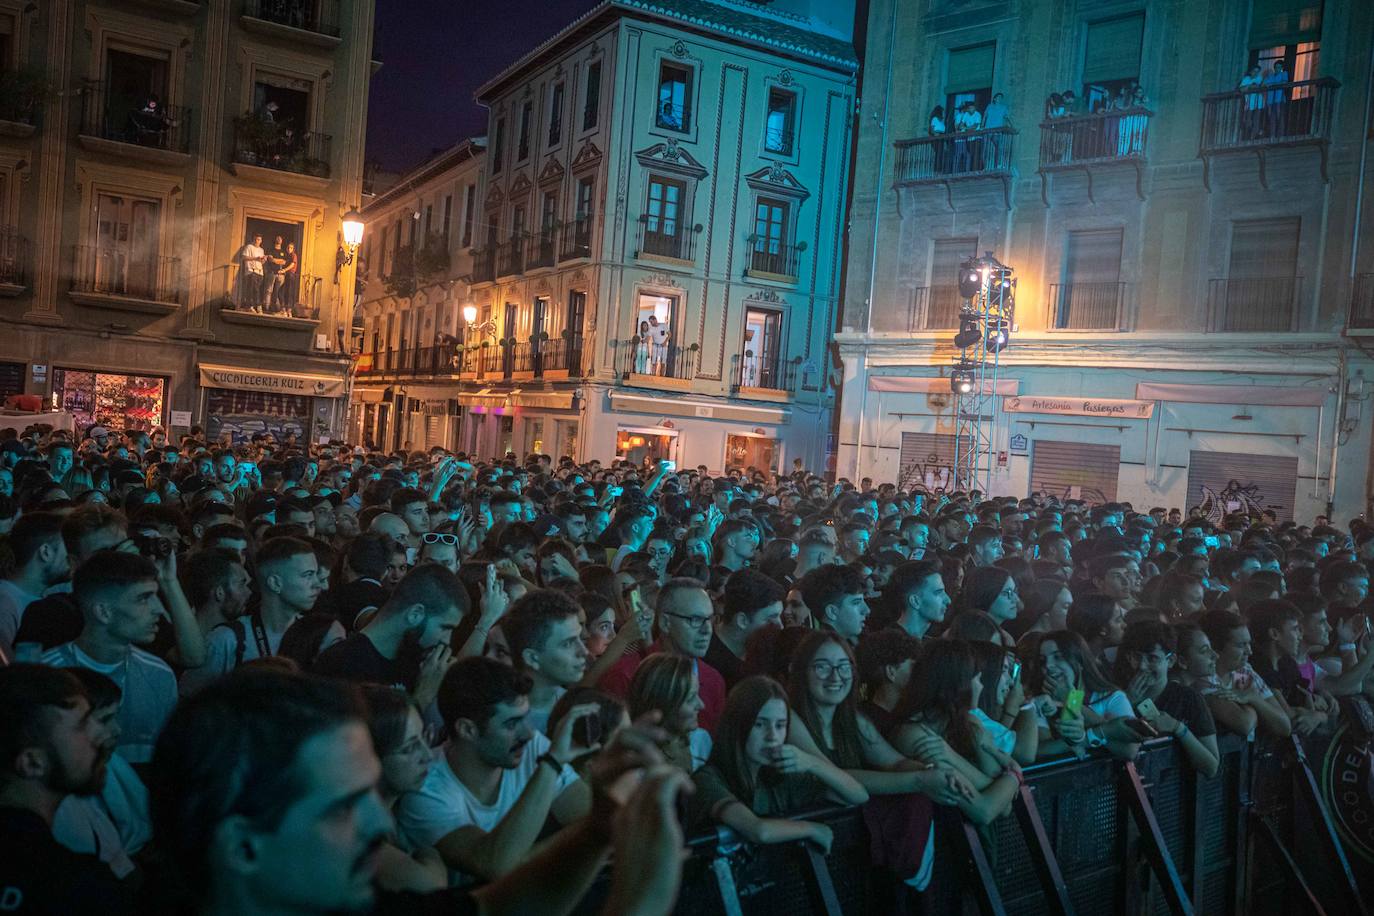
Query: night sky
x=435, y=54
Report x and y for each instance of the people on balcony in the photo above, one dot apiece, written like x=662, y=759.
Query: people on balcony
x=149, y=125
x=252, y=256
x=642, y=349
x=1274, y=99
x=1252, y=100
x=658, y=346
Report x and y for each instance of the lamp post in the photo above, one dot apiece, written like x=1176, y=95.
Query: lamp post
x=353, y=227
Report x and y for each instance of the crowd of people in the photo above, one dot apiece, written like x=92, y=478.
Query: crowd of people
x=279, y=677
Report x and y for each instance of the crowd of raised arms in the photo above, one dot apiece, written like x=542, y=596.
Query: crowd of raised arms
x=282, y=678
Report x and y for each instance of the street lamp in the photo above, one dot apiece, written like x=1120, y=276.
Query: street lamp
x=352, y=238
x=470, y=314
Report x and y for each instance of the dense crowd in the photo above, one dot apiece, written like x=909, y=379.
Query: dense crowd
x=291, y=678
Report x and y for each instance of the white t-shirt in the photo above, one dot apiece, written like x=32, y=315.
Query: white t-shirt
x=443, y=803
x=149, y=688
x=699, y=743
x=658, y=334
x=221, y=648
x=113, y=825
x=1003, y=738
x=252, y=256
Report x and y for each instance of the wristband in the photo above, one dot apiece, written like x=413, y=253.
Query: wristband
x=1346, y=647
x=547, y=757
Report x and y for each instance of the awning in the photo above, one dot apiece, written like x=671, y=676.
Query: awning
x=551, y=400
x=368, y=395
x=706, y=410
x=1247, y=395
x=319, y=386
x=484, y=398
x=932, y=384
x=1112, y=408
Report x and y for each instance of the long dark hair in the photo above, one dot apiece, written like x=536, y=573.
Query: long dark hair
x=1036, y=603
x=990, y=660
x=732, y=732
x=1076, y=652
x=941, y=689
x=982, y=585
x=844, y=727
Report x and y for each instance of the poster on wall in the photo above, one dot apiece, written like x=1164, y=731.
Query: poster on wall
x=244, y=414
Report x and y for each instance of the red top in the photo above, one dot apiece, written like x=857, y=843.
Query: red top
x=710, y=684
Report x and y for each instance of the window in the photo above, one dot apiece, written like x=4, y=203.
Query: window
x=124, y=259
x=968, y=83
x=526, y=116
x=674, y=97
x=584, y=198
x=665, y=204
x=770, y=253
x=941, y=299
x=396, y=245
x=1111, y=58
x=130, y=80
x=760, y=363
x=517, y=222
x=1290, y=31
x=498, y=144
x=385, y=266
x=414, y=221
x=448, y=217
x=548, y=211
x=654, y=348
x=429, y=221
x=556, y=115
x=469, y=208
x=778, y=127
x=1090, y=295
x=591, y=106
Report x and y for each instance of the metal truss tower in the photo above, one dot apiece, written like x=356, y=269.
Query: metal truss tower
x=985, y=323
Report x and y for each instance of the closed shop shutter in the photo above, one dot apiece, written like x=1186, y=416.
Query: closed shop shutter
x=1075, y=470
x=434, y=431
x=1224, y=482
x=927, y=462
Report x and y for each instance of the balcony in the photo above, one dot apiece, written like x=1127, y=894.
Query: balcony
x=944, y=159
x=490, y=359
x=666, y=239
x=1362, y=304
x=278, y=148
x=510, y=256
x=124, y=125
x=577, y=239
x=764, y=375
x=483, y=265
x=772, y=261
x=560, y=357
x=542, y=249
x=415, y=362
x=260, y=300
x=1282, y=115
x=1088, y=306
x=15, y=255
x=310, y=21
x=778, y=140
x=22, y=93
x=522, y=357
x=1253, y=304
x=116, y=278
x=1116, y=136
x=934, y=308
x=671, y=366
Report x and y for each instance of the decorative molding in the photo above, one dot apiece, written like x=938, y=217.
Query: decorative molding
x=766, y=295
x=579, y=276
x=660, y=280
x=672, y=158
x=520, y=186
x=588, y=156
x=776, y=179
x=494, y=197
x=786, y=78
x=679, y=49
x=553, y=172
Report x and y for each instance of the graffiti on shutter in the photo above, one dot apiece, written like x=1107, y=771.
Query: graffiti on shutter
x=1075, y=470
x=927, y=462
x=1225, y=482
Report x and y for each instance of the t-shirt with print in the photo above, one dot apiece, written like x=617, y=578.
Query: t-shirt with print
x=149, y=691
x=444, y=803
x=1215, y=682
x=658, y=335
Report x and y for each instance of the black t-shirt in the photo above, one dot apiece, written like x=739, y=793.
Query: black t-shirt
x=730, y=665
x=1187, y=706
x=885, y=722
x=357, y=659
x=347, y=601
x=38, y=876
x=50, y=621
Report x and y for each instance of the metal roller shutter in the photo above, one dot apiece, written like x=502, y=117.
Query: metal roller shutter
x=927, y=461
x=1223, y=482
x=434, y=431
x=1075, y=470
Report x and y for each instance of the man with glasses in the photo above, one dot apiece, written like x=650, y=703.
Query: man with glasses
x=684, y=629
x=440, y=548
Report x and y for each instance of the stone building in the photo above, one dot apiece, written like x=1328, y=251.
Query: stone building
x=1190, y=252
x=143, y=146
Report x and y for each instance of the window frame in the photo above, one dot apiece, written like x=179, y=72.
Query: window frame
x=553, y=137
x=692, y=68
x=591, y=96
x=793, y=135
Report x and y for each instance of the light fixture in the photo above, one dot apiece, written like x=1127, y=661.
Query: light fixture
x=352, y=228
x=963, y=377
x=470, y=314
x=999, y=335
x=969, y=332
x=970, y=279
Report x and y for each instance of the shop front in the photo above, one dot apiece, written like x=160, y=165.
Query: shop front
x=240, y=403
x=113, y=400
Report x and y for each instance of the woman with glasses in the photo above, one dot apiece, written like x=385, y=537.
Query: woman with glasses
x=398, y=737
x=826, y=721
x=938, y=728
x=755, y=779
x=668, y=685
x=1142, y=668
x=991, y=590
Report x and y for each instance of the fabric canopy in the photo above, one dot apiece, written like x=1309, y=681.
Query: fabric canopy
x=930, y=384
x=1249, y=395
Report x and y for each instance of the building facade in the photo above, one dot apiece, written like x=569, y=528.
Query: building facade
x=143, y=146
x=416, y=264
x=656, y=272
x=1179, y=188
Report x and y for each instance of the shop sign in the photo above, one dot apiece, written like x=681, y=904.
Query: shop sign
x=318, y=386
x=1112, y=408
x=181, y=418
x=1019, y=444
x=40, y=373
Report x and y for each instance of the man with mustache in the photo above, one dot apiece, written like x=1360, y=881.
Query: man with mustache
x=51, y=747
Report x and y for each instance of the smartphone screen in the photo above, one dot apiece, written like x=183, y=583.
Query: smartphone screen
x=1073, y=703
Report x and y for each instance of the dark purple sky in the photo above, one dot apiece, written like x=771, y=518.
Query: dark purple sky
x=435, y=54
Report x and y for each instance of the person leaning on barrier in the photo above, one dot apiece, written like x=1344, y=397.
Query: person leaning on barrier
x=1143, y=661
x=1060, y=664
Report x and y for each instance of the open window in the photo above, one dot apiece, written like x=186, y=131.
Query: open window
x=761, y=354
x=655, y=334
x=674, y=97
x=278, y=287
x=780, y=122
x=968, y=85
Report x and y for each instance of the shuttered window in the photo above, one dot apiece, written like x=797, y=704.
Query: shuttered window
x=970, y=69
x=1093, y=256
x=927, y=462
x=1090, y=295
x=1112, y=51
x=1225, y=482
x=1264, y=248
x=941, y=303
x=1285, y=22
x=1075, y=470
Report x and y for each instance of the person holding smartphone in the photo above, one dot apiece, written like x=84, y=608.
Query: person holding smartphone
x=1234, y=679
x=1147, y=653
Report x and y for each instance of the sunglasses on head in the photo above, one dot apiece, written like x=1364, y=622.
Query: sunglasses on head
x=449, y=539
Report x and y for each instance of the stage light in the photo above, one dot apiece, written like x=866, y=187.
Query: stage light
x=963, y=378
x=970, y=279
x=969, y=332
x=999, y=335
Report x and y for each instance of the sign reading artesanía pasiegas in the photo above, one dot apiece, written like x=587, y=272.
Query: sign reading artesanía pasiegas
x=1126, y=408
x=318, y=386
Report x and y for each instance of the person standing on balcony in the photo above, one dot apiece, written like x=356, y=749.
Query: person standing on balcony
x=291, y=286
x=273, y=277
x=938, y=128
x=252, y=257
x=642, y=349
x=1252, y=101
x=658, y=340
x=995, y=118
x=1275, y=99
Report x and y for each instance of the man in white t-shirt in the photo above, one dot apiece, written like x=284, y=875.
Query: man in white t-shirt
x=253, y=256
x=117, y=593
x=487, y=796
x=658, y=346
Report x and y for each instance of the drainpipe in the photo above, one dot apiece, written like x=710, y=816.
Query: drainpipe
x=1364, y=157
x=873, y=255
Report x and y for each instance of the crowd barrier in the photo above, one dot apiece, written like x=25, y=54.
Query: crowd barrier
x=1087, y=837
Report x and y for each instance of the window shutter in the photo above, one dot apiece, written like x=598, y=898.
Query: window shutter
x=1264, y=248
x=1094, y=256
x=1223, y=482
x=1274, y=23
x=927, y=461
x=970, y=68
x=1075, y=470
x=1113, y=50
